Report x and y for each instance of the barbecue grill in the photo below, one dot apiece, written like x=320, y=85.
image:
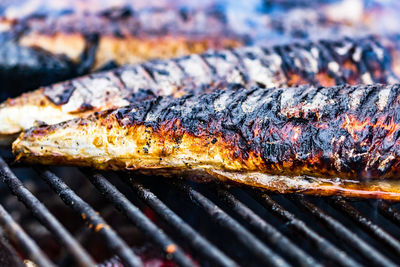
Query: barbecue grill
x=59, y=216
x=205, y=224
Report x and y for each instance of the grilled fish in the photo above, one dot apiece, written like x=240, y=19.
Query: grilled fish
x=365, y=60
x=319, y=140
x=42, y=49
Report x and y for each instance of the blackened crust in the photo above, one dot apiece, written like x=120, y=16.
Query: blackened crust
x=343, y=131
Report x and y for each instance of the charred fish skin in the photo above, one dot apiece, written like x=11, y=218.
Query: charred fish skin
x=326, y=63
x=56, y=47
x=271, y=138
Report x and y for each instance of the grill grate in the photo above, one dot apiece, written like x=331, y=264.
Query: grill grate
x=25, y=243
x=248, y=240
x=345, y=234
x=275, y=238
x=96, y=222
x=43, y=215
x=235, y=226
x=196, y=241
x=139, y=219
x=389, y=211
x=368, y=225
x=323, y=245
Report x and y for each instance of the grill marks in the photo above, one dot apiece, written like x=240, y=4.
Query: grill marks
x=324, y=63
x=88, y=56
x=317, y=132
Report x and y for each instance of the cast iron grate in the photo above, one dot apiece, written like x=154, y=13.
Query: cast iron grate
x=191, y=223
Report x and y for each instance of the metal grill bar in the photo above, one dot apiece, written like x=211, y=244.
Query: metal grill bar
x=367, y=224
x=278, y=240
x=265, y=254
x=95, y=221
x=168, y=246
x=342, y=232
x=197, y=242
x=324, y=246
x=44, y=215
x=389, y=212
x=22, y=240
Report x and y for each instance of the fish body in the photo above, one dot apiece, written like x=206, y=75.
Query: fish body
x=320, y=140
x=326, y=63
x=44, y=48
